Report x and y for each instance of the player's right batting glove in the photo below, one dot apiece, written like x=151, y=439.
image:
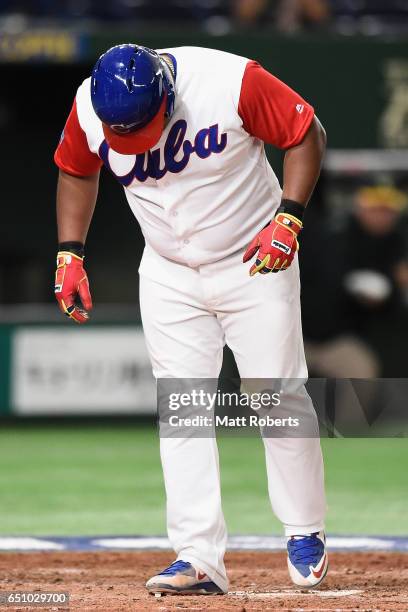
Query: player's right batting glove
x=276, y=243
x=71, y=281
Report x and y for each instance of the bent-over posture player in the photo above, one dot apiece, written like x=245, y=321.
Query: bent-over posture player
x=183, y=130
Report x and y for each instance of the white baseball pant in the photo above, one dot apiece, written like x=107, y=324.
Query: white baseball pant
x=188, y=315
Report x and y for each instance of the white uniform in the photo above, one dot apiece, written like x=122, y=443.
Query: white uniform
x=200, y=196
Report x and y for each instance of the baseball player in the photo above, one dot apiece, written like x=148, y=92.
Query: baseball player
x=183, y=130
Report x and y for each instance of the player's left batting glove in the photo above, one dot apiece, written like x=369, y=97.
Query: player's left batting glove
x=277, y=242
x=71, y=281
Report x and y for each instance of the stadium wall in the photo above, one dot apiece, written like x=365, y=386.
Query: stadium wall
x=57, y=370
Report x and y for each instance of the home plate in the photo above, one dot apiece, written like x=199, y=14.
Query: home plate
x=343, y=593
x=291, y=593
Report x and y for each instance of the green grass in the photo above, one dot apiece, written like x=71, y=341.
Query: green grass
x=107, y=480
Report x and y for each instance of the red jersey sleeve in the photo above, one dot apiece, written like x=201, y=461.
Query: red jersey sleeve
x=72, y=154
x=272, y=111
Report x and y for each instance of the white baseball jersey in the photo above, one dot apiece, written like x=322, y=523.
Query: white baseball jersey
x=206, y=187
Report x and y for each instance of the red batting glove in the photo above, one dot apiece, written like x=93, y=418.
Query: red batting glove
x=277, y=244
x=70, y=281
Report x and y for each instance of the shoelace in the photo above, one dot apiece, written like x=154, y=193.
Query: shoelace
x=176, y=567
x=307, y=550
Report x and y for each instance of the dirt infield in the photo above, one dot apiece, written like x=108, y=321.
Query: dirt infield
x=258, y=581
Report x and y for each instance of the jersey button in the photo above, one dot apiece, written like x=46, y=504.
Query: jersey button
x=174, y=213
x=186, y=241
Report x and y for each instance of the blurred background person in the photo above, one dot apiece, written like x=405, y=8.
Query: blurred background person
x=293, y=15
x=287, y=15
x=354, y=300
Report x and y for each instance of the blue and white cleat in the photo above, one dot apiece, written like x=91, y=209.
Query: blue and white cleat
x=181, y=578
x=307, y=559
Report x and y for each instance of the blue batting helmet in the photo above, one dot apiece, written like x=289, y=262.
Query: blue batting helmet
x=132, y=90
